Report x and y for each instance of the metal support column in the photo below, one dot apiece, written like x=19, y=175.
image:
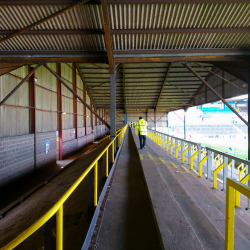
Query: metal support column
x=33, y=112
x=199, y=155
x=74, y=98
x=155, y=118
x=225, y=174
x=209, y=164
x=112, y=107
x=168, y=121
x=59, y=105
x=147, y=118
x=248, y=107
x=185, y=129
x=126, y=120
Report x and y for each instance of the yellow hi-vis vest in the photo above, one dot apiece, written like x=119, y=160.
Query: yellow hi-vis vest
x=141, y=125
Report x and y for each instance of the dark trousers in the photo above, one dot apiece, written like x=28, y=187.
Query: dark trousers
x=142, y=139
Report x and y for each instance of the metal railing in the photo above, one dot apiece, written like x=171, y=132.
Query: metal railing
x=220, y=161
x=233, y=187
x=215, y=160
x=58, y=207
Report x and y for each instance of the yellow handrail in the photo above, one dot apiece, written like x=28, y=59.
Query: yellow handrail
x=171, y=147
x=164, y=143
x=168, y=145
x=232, y=185
x=200, y=165
x=216, y=162
x=176, y=151
x=183, y=154
x=58, y=207
x=237, y=194
x=241, y=172
x=216, y=171
x=192, y=159
x=238, y=168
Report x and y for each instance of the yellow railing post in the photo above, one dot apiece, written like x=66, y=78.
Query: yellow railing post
x=183, y=154
x=200, y=165
x=237, y=193
x=95, y=183
x=229, y=227
x=238, y=168
x=216, y=171
x=164, y=143
x=168, y=145
x=113, y=152
x=59, y=228
x=241, y=172
x=216, y=163
x=192, y=159
x=176, y=150
x=107, y=163
x=171, y=147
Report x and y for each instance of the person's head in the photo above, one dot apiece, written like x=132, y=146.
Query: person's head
x=140, y=118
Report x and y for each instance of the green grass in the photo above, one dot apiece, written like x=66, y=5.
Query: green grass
x=223, y=145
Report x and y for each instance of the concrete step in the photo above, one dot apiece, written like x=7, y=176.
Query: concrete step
x=211, y=201
x=202, y=226
x=174, y=229
x=199, y=193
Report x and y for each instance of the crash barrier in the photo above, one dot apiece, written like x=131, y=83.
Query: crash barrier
x=219, y=161
x=57, y=209
x=215, y=160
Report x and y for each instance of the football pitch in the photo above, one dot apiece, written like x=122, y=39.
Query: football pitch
x=239, y=146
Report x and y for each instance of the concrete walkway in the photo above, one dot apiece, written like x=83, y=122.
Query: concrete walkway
x=128, y=221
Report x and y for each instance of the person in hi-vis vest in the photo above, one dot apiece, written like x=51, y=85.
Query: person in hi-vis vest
x=141, y=125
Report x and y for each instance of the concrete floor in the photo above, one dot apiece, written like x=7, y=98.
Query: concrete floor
x=128, y=221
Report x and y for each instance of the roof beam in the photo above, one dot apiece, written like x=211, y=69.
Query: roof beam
x=66, y=2
x=179, y=30
x=201, y=86
x=58, y=13
x=214, y=91
x=107, y=36
x=173, y=1
x=165, y=79
x=129, y=31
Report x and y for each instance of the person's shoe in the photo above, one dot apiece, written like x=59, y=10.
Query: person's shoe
x=140, y=148
x=144, y=146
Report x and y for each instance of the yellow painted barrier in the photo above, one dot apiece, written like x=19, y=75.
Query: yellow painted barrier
x=229, y=165
x=58, y=206
x=241, y=172
x=171, y=148
x=216, y=171
x=183, y=154
x=200, y=165
x=192, y=159
x=176, y=151
x=216, y=162
x=232, y=185
x=168, y=145
x=164, y=143
x=238, y=168
x=237, y=194
x=161, y=141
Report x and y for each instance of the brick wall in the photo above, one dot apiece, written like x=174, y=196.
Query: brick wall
x=43, y=158
x=16, y=157
x=69, y=148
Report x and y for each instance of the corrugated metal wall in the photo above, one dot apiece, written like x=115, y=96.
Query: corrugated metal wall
x=67, y=97
x=14, y=121
x=46, y=99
